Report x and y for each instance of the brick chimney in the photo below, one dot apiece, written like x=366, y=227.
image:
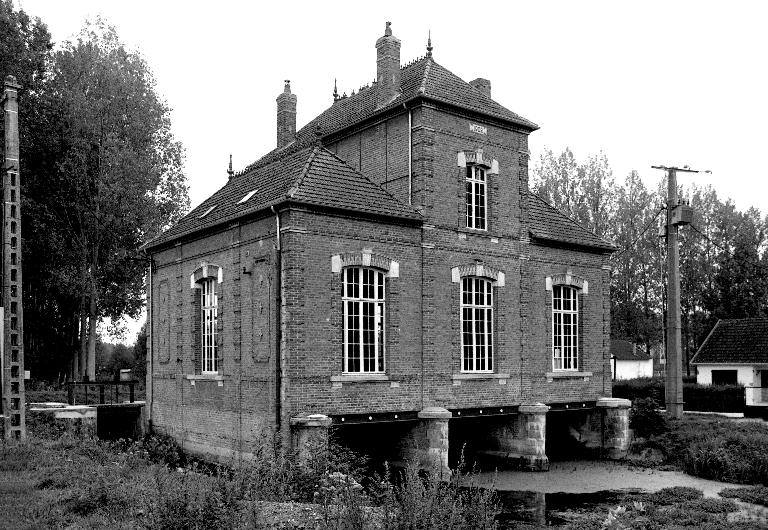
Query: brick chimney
x=483, y=85
x=286, y=116
x=387, y=67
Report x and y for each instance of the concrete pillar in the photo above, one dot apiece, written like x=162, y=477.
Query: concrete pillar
x=309, y=435
x=532, y=428
x=520, y=441
x=615, y=413
x=427, y=444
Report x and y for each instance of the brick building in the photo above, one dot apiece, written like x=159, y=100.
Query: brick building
x=385, y=267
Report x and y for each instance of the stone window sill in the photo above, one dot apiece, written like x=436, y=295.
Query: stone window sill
x=478, y=376
x=194, y=378
x=358, y=378
x=337, y=381
x=204, y=377
x=551, y=376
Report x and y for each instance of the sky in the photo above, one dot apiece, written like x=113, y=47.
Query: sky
x=647, y=83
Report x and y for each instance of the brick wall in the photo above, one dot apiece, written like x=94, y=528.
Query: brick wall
x=423, y=341
x=233, y=411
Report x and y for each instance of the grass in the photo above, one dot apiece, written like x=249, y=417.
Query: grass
x=717, y=448
x=62, y=482
x=753, y=494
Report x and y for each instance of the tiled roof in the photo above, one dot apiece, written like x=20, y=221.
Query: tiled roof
x=308, y=175
x=549, y=224
x=743, y=341
x=422, y=78
x=623, y=350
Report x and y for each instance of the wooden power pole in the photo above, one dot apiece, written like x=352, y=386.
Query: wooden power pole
x=12, y=344
x=677, y=214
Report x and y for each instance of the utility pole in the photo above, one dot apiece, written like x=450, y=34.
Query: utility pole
x=11, y=341
x=677, y=214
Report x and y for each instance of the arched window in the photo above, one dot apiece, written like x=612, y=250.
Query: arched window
x=476, y=324
x=208, y=323
x=565, y=327
x=363, y=292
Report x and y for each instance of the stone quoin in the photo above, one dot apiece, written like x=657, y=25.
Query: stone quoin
x=385, y=265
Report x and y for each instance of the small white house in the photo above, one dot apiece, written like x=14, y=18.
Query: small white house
x=736, y=353
x=628, y=362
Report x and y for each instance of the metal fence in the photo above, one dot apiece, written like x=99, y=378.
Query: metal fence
x=99, y=392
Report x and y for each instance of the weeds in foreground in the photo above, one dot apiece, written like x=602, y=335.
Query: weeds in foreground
x=752, y=494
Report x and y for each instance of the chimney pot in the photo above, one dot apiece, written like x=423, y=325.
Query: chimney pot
x=387, y=67
x=286, y=116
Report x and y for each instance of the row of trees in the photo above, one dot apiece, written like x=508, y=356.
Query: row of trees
x=723, y=254
x=101, y=174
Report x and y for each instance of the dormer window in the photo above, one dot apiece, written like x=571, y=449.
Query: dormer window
x=476, y=197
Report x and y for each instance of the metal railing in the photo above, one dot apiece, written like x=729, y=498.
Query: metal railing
x=107, y=392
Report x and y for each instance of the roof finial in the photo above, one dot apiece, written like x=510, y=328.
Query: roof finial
x=230, y=171
x=287, y=88
x=335, y=91
x=429, y=44
x=388, y=30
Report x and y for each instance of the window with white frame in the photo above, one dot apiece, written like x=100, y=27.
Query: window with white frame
x=565, y=327
x=476, y=197
x=476, y=324
x=363, y=298
x=209, y=316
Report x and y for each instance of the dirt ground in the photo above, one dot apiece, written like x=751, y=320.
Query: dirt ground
x=588, y=476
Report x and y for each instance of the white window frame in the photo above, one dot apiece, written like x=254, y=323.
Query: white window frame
x=364, y=309
x=209, y=313
x=476, y=197
x=565, y=335
x=478, y=356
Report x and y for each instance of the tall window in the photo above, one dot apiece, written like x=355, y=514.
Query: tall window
x=565, y=328
x=476, y=186
x=209, y=315
x=363, y=296
x=476, y=324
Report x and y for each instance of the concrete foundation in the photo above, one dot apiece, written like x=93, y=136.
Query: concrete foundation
x=79, y=421
x=520, y=441
x=309, y=436
x=107, y=422
x=427, y=443
x=615, y=414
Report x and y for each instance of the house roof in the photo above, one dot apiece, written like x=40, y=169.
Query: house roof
x=422, y=78
x=737, y=341
x=310, y=175
x=623, y=350
x=302, y=172
x=548, y=224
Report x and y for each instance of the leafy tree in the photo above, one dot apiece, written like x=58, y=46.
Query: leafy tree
x=120, y=177
x=101, y=174
x=140, y=354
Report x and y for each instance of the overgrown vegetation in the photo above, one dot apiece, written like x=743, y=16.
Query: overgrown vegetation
x=68, y=482
x=645, y=418
x=716, y=448
x=753, y=494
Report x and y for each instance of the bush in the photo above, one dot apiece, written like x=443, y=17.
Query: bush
x=645, y=418
x=736, y=457
x=673, y=495
x=703, y=398
x=753, y=494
